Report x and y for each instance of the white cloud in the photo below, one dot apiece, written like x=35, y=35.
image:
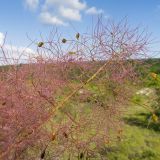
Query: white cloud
x=47, y=18
x=32, y=4
x=94, y=11
x=17, y=54
x=60, y=11
x=13, y=53
x=75, y=4
x=1, y=38
x=69, y=13
x=64, y=9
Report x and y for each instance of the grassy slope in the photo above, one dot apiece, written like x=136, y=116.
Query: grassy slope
x=140, y=142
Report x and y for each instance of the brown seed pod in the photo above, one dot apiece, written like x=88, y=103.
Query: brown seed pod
x=43, y=154
x=95, y=101
x=81, y=155
x=119, y=138
x=107, y=141
x=4, y=103
x=53, y=137
x=120, y=131
x=65, y=135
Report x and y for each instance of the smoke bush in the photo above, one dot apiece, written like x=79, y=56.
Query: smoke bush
x=68, y=102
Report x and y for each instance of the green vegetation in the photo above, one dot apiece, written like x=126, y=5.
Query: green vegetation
x=141, y=138
x=141, y=134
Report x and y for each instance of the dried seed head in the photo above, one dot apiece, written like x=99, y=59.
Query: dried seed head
x=153, y=75
x=4, y=103
x=81, y=155
x=64, y=40
x=154, y=117
x=107, y=141
x=120, y=131
x=43, y=154
x=77, y=36
x=119, y=138
x=72, y=53
x=65, y=135
x=40, y=44
x=53, y=137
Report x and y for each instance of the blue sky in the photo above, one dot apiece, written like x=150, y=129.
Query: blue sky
x=32, y=17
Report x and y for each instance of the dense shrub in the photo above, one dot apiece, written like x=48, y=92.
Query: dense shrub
x=39, y=101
